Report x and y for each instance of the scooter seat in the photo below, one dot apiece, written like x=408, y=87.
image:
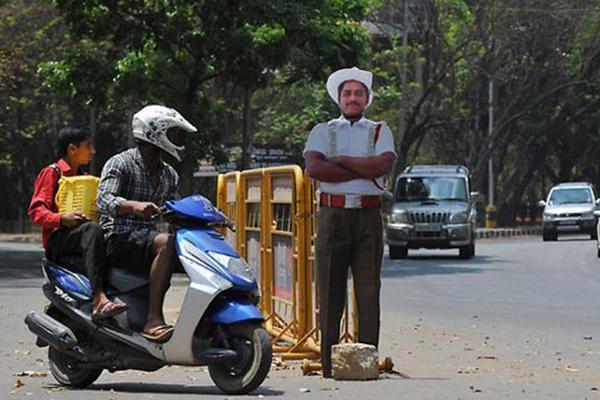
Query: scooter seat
x=120, y=279
x=125, y=281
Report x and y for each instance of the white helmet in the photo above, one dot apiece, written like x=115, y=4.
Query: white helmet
x=151, y=124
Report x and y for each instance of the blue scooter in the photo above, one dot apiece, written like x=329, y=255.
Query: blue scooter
x=219, y=324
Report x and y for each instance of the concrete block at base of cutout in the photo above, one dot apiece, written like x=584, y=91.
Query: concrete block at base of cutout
x=354, y=362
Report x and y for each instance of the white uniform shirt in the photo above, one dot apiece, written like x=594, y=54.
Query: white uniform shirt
x=351, y=140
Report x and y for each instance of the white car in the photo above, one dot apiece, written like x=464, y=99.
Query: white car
x=570, y=208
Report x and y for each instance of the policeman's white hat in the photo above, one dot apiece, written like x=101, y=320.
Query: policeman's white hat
x=349, y=74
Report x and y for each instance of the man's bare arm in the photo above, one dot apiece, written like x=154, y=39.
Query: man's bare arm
x=321, y=169
x=367, y=167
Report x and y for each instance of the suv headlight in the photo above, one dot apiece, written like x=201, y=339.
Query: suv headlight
x=548, y=216
x=588, y=215
x=235, y=265
x=398, y=217
x=459, y=218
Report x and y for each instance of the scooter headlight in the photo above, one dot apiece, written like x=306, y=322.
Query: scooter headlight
x=235, y=265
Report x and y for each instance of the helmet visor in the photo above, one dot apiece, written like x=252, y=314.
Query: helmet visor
x=175, y=136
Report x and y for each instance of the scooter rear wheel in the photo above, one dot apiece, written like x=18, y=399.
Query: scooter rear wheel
x=255, y=353
x=68, y=371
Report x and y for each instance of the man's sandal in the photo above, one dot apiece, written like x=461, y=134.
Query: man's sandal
x=159, y=334
x=108, y=309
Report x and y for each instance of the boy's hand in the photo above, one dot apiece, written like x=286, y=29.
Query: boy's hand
x=144, y=209
x=72, y=219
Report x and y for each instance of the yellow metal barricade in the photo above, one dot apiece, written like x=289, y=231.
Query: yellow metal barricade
x=275, y=210
x=228, y=193
x=287, y=262
x=251, y=234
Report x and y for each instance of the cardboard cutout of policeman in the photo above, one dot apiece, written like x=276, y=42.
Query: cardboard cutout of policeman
x=349, y=156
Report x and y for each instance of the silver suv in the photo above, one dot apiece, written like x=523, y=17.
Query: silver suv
x=569, y=208
x=432, y=208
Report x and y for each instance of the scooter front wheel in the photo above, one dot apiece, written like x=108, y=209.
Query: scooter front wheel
x=253, y=346
x=68, y=371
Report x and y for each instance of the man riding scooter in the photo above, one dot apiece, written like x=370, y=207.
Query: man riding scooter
x=219, y=324
x=133, y=185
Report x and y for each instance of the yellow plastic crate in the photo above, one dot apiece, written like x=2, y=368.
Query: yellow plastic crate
x=78, y=194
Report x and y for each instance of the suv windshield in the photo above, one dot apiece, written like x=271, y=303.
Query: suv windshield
x=570, y=196
x=431, y=188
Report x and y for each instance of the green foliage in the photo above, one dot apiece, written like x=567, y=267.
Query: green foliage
x=197, y=56
x=204, y=58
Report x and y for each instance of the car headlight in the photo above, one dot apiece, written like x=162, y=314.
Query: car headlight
x=459, y=218
x=235, y=265
x=398, y=217
x=548, y=216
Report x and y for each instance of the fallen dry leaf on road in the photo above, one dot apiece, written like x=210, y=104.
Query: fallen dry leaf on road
x=475, y=389
x=304, y=390
x=278, y=364
x=571, y=369
x=19, y=383
x=487, y=358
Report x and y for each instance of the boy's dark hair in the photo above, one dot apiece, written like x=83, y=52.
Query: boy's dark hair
x=71, y=135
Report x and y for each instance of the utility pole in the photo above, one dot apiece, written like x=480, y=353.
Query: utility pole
x=490, y=210
x=490, y=136
x=403, y=102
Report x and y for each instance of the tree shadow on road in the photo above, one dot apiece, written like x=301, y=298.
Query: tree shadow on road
x=436, y=265
x=20, y=265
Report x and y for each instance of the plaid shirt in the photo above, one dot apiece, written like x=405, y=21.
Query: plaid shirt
x=125, y=176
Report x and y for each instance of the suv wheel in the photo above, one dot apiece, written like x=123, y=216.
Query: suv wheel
x=467, y=252
x=398, y=252
x=548, y=236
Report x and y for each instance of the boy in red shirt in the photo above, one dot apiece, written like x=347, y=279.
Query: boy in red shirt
x=72, y=233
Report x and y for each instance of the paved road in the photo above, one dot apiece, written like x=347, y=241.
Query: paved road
x=520, y=320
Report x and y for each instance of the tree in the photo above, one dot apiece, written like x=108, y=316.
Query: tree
x=189, y=54
x=30, y=118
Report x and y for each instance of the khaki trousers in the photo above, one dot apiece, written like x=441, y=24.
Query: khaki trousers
x=348, y=238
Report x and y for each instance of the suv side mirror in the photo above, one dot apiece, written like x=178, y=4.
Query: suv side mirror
x=387, y=196
x=598, y=202
x=474, y=197
x=541, y=203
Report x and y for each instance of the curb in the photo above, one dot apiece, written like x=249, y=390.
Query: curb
x=21, y=238
x=487, y=233
x=480, y=233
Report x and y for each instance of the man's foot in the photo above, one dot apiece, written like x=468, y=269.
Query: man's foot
x=159, y=333
x=107, y=309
